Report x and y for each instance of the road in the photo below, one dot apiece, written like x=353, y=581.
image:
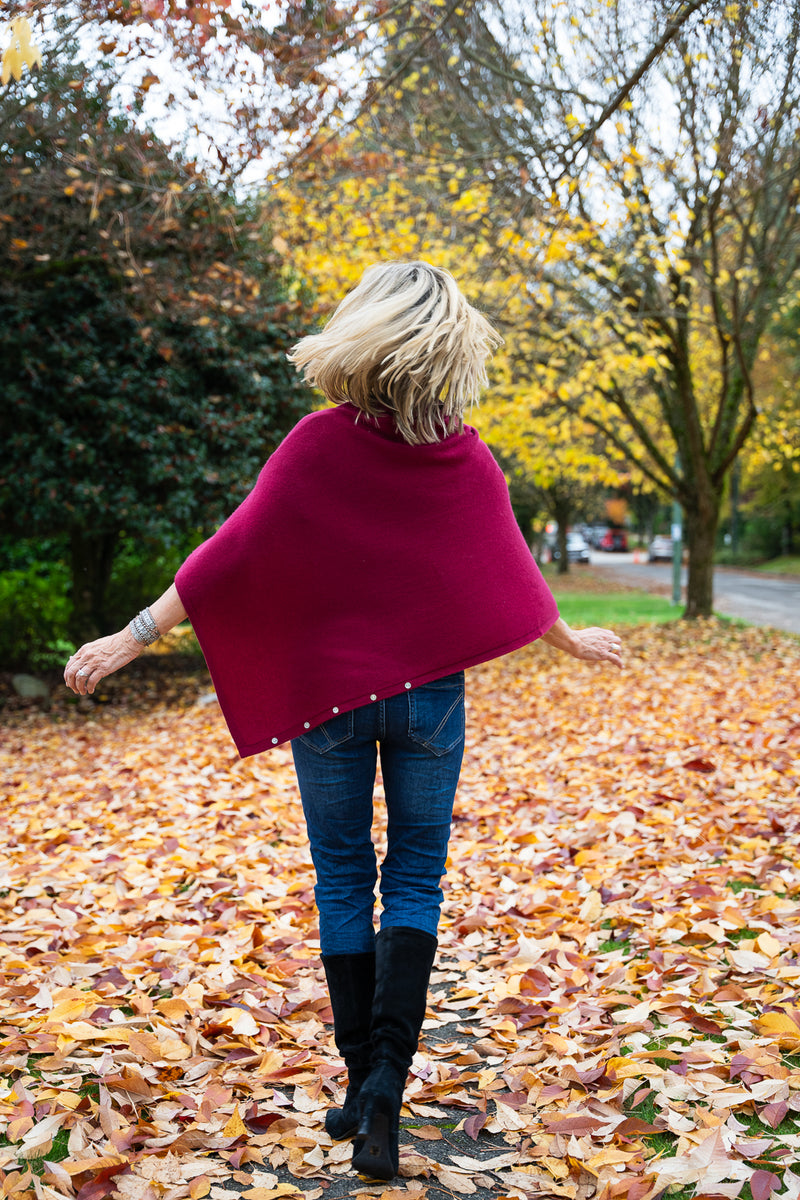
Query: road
x=760, y=599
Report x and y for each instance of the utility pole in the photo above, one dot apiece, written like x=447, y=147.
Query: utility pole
x=677, y=550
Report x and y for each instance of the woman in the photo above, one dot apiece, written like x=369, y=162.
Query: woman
x=376, y=558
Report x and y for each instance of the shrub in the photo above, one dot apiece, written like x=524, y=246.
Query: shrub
x=143, y=569
x=34, y=618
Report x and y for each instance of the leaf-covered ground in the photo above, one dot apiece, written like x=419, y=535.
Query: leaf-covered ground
x=615, y=1010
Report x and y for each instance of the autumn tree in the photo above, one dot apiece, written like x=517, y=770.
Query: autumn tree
x=659, y=244
x=292, y=74
x=548, y=454
x=767, y=489
x=559, y=498
x=143, y=331
x=238, y=80
x=335, y=214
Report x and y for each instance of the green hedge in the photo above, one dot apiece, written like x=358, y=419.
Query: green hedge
x=35, y=605
x=34, y=618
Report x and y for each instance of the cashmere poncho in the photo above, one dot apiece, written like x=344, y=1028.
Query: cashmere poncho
x=359, y=566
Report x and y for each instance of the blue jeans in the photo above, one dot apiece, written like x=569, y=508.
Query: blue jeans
x=421, y=738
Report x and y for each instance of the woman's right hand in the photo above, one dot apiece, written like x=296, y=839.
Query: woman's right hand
x=102, y=657
x=87, y=666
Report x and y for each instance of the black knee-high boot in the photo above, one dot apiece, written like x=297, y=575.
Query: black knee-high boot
x=404, y=958
x=351, y=985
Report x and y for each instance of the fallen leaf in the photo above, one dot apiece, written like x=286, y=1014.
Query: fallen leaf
x=235, y=1126
x=781, y=1027
x=763, y=1184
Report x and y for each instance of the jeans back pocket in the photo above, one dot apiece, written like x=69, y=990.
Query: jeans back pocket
x=329, y=734
x=436, y=714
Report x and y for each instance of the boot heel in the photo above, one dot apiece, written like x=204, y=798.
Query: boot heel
x=373, y=1157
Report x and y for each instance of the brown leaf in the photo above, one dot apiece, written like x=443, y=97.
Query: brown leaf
x=453, y=1180
x=699, y=764
x=576, y=1123
x=773, y=1114
x=281, y=1189
x=428, y=1133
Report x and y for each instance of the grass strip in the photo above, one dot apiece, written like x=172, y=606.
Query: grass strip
x=790, y=565
x=614, y=608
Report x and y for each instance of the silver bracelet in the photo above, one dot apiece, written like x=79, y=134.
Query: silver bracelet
x=144, y=628
x=146, y=618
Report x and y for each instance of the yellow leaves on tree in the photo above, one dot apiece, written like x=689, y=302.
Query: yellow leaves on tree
x=21, y=51
x=356, y=207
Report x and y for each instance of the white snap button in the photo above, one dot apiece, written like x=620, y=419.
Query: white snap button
x=307, y=725
x=274, y=741
x=335, y=710
x=408, y=685
x=373, y=696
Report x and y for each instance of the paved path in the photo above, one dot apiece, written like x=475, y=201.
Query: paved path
x=758, y=598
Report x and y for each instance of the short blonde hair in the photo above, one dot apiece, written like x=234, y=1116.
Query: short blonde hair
x=403, y=341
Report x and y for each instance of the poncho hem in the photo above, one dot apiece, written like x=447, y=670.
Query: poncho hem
x=246, y=750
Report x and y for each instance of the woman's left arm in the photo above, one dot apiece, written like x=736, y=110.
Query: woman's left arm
x=590, y=645
x=95, y=660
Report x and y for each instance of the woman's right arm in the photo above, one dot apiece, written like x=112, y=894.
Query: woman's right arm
x=102, y=657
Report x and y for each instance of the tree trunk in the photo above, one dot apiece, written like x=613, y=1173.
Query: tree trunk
x=700, y=532
x=92, y=556
x=561, y=542
x=561, y=510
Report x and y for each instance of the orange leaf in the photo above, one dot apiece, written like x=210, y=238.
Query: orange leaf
x=781, y=1027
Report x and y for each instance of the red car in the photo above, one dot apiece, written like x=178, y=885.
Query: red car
x=615, y=539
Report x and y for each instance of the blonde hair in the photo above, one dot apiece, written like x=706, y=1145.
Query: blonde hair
x=404, y=341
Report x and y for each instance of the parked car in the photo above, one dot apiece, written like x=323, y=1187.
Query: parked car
x=577, y=548
x=660, y=549
x=614, y=539
x=595, y=535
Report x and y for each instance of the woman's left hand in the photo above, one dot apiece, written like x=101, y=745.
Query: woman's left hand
x=597, y=645
x=95, y=660
x=590, y=645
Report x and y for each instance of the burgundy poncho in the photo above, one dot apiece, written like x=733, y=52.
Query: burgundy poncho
x=358, y=566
